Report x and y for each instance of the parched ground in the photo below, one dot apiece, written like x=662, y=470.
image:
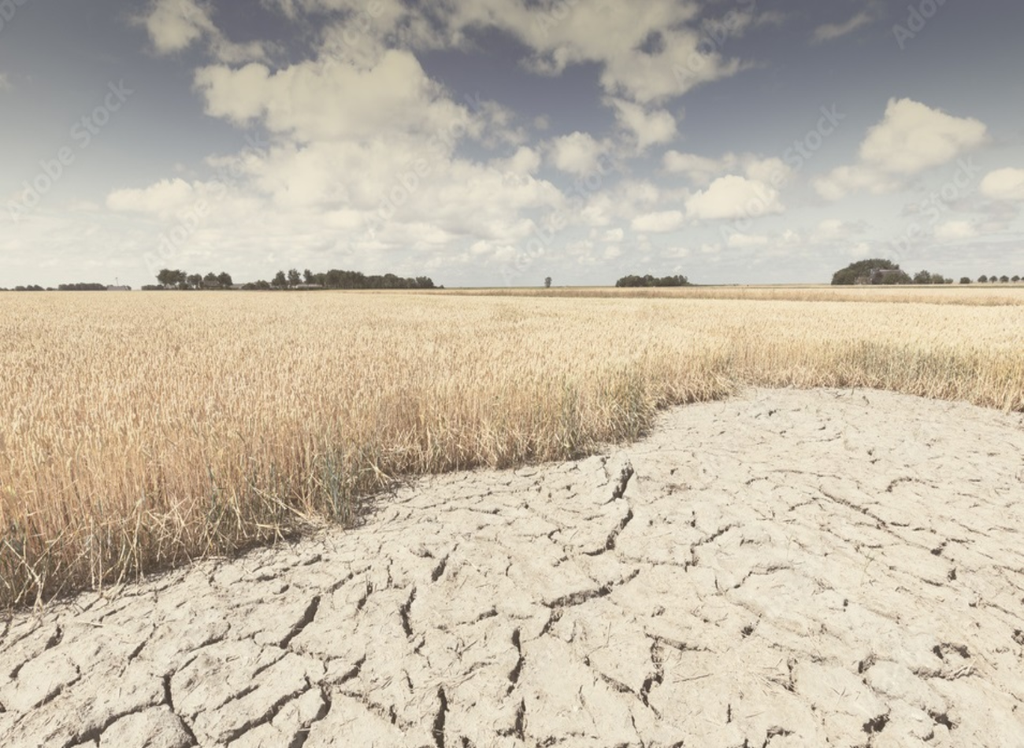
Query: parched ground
x=787, y=568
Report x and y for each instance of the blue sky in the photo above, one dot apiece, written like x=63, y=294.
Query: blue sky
x=497, y=142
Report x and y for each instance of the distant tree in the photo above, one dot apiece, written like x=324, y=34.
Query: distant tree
x=649, y=281
x=895, y=277
x=922, y=276
x=965, y=280
x=983, y=279
x=937, y=279
x=294, y=278
x=225, y=280
x=81, y=287
x=307, y=277
x=280, y=281
x=210, y=279
x=262, y=285
x=1015, y=279
x=195, y=280
x=861, y=271
x=1004, y=279
x=171, y=278
x=547, y=282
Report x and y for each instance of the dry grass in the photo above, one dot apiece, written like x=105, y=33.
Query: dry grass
x=139, y=431
x=1010, y=294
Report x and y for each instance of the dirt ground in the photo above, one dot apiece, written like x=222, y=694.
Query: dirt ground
x=786, y=568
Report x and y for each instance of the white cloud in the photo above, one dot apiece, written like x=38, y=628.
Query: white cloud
x=657, y=223
x=829, y=31
x=702, y=170
x=953, y=230
x=648, y=127
x=323, y=100
x=911, y=138
x=1004, y=184
x=578, y=153
x=734, y=197
x=524, y=161
x=612, y=35
x=163, y=199
x=175, y=25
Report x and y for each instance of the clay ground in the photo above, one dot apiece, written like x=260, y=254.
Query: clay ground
x=841, y=568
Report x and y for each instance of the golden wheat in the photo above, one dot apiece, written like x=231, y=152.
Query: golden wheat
x=139, y=431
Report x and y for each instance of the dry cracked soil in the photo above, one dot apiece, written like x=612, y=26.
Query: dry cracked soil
x=823, y=568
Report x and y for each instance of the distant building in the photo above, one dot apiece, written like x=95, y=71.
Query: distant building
x=119, y=288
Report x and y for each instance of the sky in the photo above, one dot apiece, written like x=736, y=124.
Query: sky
x=499, y=142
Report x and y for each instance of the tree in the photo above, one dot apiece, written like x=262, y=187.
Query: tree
x=209, y=279
x=195, y=280
x=937, y=279
x=280, y=281
x=225, y=280
x=861, y=271
x=307, y=277
x=547, y=282
x=171, y=277
x=1015, y=279
x=649, y=281
x=1004, y=279
x=965, y=281
x=294, y=278
x=922, y=276
x=983, y=279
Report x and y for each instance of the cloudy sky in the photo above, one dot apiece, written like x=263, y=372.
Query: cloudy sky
x=496, y=142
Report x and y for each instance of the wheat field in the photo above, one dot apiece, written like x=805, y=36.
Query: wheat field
x=140, y=431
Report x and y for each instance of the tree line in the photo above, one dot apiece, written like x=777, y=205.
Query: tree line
x=879, y=272
x=288, y=280
x=649, y=281
x=71, y=287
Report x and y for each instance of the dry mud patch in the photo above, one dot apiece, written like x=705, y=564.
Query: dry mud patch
x=786, y=568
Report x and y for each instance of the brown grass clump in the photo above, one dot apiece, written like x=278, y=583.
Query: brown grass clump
x=139, y=431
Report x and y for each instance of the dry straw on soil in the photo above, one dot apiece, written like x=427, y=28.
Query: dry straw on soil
x=139, y=431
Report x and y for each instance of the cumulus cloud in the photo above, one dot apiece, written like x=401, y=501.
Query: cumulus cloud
x=175, y=25
x=911, y=138
x=702, y=170
x=1004, y=184
x=163, y=199
x=577, y=153
x=648, y=52
x=659, y=222
x=734, y=197
x=649, y=128
x=324, y=99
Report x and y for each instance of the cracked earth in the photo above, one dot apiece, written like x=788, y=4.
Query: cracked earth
x=841, y=568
